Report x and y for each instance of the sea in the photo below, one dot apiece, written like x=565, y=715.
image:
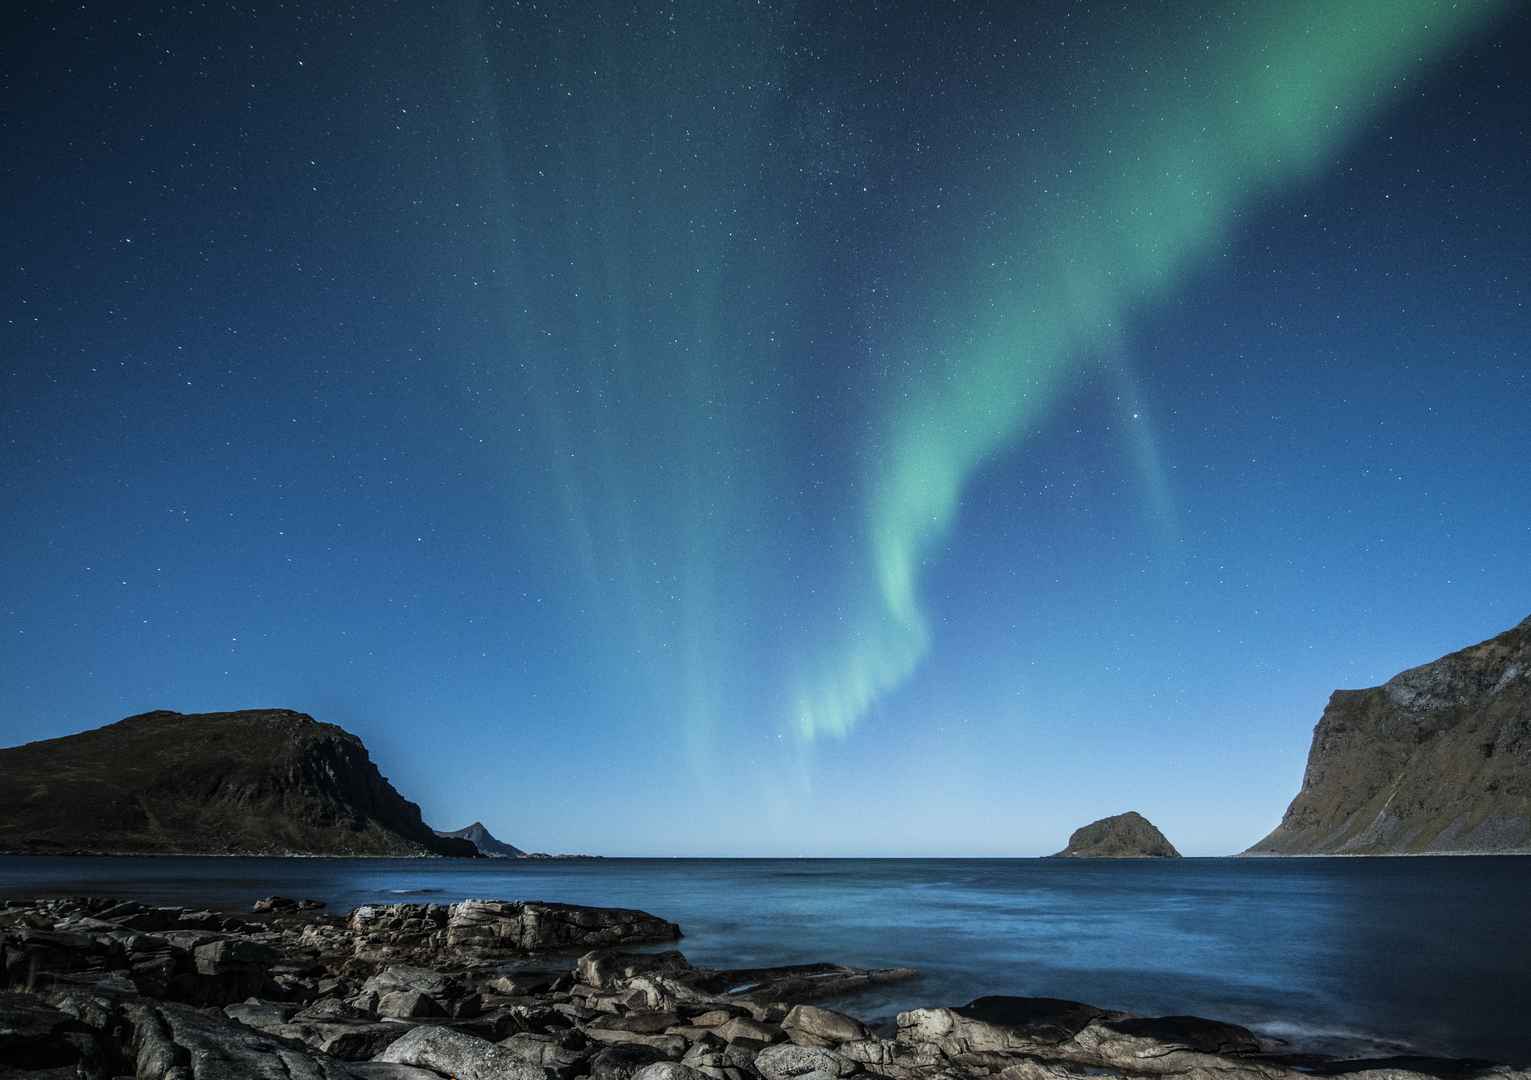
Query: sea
x=1357, y=957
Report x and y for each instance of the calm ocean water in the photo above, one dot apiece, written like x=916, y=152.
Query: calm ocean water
x=1429, y=955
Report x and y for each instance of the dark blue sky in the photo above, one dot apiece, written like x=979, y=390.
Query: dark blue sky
x=724, y=429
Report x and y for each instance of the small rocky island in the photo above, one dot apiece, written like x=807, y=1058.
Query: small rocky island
x=1122, y=836
x=98, y=989
x=485, y=842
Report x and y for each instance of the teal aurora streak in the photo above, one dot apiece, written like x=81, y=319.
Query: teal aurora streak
x=749, y=498
x=1265, y=101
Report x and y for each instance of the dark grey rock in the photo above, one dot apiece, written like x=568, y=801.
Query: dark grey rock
x=808, y=1025
x=789, y=1061
x=459, y=1055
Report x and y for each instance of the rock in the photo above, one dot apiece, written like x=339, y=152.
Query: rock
x=329, y=1009
x=792, y=983
x=177, y=1042
x=521, y=983
x=808, y=1025
x=461, y=1056
x=605, y=968
x=233, y=954
x=261, y=1015
x=1437, y=759
x=998, y=1024
x=224, y=971
x=642, y=1023
x=621, y=1062
x=1124, y=836
x=549, y=1052
x=347, y=1039
x=151, y=919
x=668, y=1070
x=1171, y=1044
x=531, y=926
x=888, y=1057
x=393, y=920
x=1187, y=1032
x=669, y=1046
x=718, y=1016
x=319, y=1026
x=740, y=1028
x=32, y=959
x=790, y=1061
x=722, y=1062
x=282, y=904
x=408, y=1005
x=421, y=980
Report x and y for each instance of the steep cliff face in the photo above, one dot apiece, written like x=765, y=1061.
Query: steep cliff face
x=1438, y=759
x=1123, y=836
x=259, y=780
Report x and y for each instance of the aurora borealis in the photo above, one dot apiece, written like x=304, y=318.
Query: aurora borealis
x=769, y=429
x=1235, y=110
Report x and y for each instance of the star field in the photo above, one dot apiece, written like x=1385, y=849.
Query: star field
x=763, y=429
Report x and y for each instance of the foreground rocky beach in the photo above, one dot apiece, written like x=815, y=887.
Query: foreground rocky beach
x=523, y=990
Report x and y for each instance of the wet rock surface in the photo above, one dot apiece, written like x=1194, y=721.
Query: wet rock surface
x=95, y=989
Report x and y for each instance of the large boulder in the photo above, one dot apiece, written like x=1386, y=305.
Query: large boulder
x=728, y=1062
x=459, y=1055
x=792, y=1062
x=555, y=1053
x=223, y=971
x=533, y=926
x=667, y=1046
x=408, y=1005
x=1168, y=1044
x=606, y=968
x=808, y=1025
x=743, y=1028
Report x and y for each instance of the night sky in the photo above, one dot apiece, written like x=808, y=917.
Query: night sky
x=766, y=429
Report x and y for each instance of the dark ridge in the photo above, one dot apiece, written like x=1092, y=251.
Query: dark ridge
x=1437, y=759
x=256, y=781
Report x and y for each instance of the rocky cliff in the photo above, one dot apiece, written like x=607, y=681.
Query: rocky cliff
x=482, y=839
x=1437, y=759
x=267, y=781
x=1124, y=836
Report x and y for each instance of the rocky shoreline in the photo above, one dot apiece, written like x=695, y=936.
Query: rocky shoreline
x=99, y=989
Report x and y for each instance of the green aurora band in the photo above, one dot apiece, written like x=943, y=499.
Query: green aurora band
x=1196, y=131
